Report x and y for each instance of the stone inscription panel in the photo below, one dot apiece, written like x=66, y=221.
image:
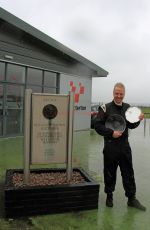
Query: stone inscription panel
x=49, y=125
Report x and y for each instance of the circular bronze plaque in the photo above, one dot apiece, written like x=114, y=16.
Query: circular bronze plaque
x=50, y=111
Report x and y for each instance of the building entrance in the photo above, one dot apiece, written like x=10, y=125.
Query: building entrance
x=14, y=79
x=11, y=109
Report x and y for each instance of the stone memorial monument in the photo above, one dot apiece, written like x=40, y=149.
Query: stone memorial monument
x=49, y=130
x=48, y=138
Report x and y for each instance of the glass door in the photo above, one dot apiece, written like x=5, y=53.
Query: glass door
x=1, y=109
x=2, y=77
x=12, y=83
x=13, y=110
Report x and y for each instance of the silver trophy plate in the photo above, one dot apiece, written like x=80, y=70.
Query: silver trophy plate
x=132, y=114
x=116, y=123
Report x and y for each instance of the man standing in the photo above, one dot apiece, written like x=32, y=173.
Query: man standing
x=117, y=151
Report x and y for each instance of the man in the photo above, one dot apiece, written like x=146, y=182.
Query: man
x=117, y=151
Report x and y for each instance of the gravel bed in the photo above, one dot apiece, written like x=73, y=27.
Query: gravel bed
x=42, y=179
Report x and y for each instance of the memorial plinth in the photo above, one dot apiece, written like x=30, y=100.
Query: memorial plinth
x=49, y=199
x=48, y=138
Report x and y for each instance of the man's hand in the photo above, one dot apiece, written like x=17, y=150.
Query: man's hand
x=117, y=134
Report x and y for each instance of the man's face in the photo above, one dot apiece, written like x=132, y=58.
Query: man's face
x=118, y=94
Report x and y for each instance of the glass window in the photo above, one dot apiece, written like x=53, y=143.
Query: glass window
x=1, y=109
x=1, y=122
x=50, y=79
x=14, y=96
x=49, y=90
x=2, y=71
x=14, y=121
x=15, y=73
x=35, y=89
x=1, y=96
x=34, y=76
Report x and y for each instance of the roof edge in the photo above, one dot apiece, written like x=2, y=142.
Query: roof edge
x=19, y=23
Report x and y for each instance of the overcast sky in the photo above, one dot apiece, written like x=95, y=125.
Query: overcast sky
x=114, y=34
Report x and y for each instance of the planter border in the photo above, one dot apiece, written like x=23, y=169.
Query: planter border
x=49, y=199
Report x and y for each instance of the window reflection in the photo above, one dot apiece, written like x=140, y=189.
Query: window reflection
x=14, y=121
x=13, y=81
x=2, y=71
x=50, y=79
x=14, y=96
x=15, y=73
x=1, y=96
x=1, y=123
x=35, y=89
x=49, y=90
x=34, y=76
x=1, y=110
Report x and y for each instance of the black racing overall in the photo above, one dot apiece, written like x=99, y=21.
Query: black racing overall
x=117, y=151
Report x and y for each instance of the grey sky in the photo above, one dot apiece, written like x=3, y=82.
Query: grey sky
x=114, y=34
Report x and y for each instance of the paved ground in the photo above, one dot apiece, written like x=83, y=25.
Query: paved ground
x=88, y=154
x=120, y=217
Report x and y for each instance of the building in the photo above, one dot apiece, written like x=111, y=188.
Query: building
x=31, y=59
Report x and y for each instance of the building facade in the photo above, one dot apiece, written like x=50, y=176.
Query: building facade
x=30, y=59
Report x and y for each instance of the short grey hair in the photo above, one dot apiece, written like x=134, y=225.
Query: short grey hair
x=119, y=84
